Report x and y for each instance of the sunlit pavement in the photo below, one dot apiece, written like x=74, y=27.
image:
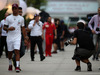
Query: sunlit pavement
x=58, y=64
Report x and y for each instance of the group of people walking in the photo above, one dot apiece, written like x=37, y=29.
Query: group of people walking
x=14, y=37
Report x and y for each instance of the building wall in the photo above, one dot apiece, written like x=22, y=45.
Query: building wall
x=64, y=9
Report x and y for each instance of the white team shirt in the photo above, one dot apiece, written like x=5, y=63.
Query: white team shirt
x=17, y=22
x=4, y=33
x=37, y=29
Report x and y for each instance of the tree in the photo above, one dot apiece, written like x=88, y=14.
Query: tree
x=2, y=13
x=36, y=3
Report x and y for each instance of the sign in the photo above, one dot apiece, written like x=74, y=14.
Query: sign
x=72, y=7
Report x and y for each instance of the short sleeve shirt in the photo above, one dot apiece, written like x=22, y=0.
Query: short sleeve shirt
x=17, y=22
x=49, y=27
x=4, y=33
x=37, y=29
x=84, y=39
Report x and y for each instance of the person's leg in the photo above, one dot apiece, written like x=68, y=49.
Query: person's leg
x=22, y=49
x=62, y=44
x=10, y=51
x=39, y=44
x=2, y=45
x=98, y=50
x=58, y=43
x=16, y=46
x=89, y=65
x=95, y=38
x=33, y=43
x=10, y=60
x=17, y=54
x=35, y=50
x=22, y=52
x=6, y=49
x=78, y=68
x=47, y=45
x=55, y=48
x=50, y=44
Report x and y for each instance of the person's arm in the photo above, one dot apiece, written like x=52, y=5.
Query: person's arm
x=55, y=31
x=74, y=41
x=0, y=29
x=8, y=29
x=24, y=31
x=90, y=24
x=63, y=33
x=55, y=34
x=31, y=24
x=42, y=34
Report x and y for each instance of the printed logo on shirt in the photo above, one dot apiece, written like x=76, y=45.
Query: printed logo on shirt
x=46, y=26
x=51, y=24
x=18, y=21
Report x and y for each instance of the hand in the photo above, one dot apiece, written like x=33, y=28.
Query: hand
x=55, y=37
x=34, y=23
x=61, y=36
x=93, y=31
x=42, y=37
x=11, y=28
x=26, y=40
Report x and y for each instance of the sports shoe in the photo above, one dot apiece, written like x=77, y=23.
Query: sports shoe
x=54, y=52
x=17, y=69
x=10, y=68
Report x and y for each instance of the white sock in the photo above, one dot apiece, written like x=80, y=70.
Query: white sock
x=17, y=63
x=10, y=62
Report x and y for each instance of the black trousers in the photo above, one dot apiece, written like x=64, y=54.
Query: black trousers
x=36, y=40
x=3, y=44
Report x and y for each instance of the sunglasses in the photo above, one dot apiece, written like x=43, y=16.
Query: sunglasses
x=36, y=15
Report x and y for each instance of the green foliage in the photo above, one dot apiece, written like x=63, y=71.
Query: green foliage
x=2, y=14
x=36, y=3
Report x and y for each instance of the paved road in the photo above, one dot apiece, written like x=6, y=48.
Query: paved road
x=58, y=64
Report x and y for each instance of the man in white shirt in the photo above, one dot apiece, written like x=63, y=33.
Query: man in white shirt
x=3, y=38
x=13, y=25
x=96, y=33
x=36, y=36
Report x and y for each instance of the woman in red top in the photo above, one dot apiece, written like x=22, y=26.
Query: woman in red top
x=50, y=27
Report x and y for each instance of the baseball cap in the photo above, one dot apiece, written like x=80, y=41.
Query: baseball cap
x=82, y=21
x=15, y=5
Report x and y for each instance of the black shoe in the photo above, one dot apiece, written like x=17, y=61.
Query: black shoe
x=42, y=58
x=89, y=67
x=62, y=50
x=32, y=59
x=93, y=58
x=78, y=68
x=97, y=59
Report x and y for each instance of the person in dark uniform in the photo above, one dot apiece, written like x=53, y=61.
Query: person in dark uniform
x=56, y=41
x=84, y=47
